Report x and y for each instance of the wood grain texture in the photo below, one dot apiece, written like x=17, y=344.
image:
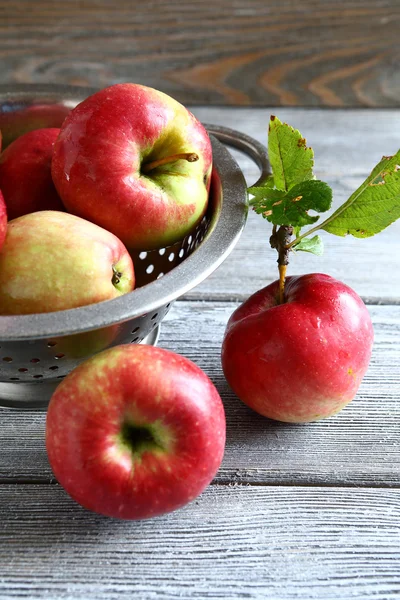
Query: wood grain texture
x=347, y=145
x=360, y=446
x=233, y=542
x=313, y=53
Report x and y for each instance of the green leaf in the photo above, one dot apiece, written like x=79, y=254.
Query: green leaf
x=291, y=208
x=314, y=245
x=291, y=161
x=374, y=206
x=296, y=231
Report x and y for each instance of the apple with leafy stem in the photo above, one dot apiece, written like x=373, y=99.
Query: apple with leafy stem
x=136, y=162
x=297, y=350
x=54, y=261
x=25, y=174
x=135, y=432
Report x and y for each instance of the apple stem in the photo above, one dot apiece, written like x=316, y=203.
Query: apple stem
x=280, y=240
x=189, y=156
x=116, y=278
x=282, y=279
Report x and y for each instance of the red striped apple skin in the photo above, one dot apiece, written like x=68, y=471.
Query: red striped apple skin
x=135, y=432
x=3, y=220
x=100, y=153
x=302, y=360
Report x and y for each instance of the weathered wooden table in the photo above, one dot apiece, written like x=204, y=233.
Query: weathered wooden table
x=296, y=511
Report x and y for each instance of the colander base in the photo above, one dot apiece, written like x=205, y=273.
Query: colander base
x=37, y=395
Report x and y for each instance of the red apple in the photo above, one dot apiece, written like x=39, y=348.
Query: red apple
x=135, y=432
x=25, y=174
x=23, y=118
x=302, y=360
x=3, y=220
x=54, y=261
x=117, y=163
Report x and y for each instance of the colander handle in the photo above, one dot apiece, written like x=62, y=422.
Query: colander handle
x=254, y=149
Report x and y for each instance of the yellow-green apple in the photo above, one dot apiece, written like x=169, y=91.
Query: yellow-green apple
x=3, y=220
x=25, y=174
x=135, y=431
x=54, y=261
x=302, y=360
x=136, y=162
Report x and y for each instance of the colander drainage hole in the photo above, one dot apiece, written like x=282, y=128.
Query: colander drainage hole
x=135, y=340
x=154, y=316
x=7, y=359
x=53, y=368
x=160, y=275
x=161, y=251
x=142, y=255
x=22, y=370
x=135, y=330
x=171, y=257
x=14, y=378
x=35, y=360
x=51, y=344
x=181, y=253
x=37, y=376
x=58, y=356
x=150, y=269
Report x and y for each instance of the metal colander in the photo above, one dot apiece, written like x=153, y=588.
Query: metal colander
x=36, y=351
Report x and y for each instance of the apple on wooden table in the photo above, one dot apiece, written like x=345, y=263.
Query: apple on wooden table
x=136, y=162
x=135, y=432
x=298, y=349
x=25, y=174
x=304, y=359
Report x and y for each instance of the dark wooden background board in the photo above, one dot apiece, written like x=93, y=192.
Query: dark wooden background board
x=254, y=52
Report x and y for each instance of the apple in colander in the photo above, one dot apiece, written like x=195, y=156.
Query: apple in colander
x=136, y=162
x=3, y=219
x=3, y=210
x=53, y=261
x=25, y=174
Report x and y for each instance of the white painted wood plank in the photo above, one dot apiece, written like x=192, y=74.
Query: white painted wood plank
x=345, y=142
x=347, y=145
x=360, y=446
x=233, y=542
x=243, y=541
